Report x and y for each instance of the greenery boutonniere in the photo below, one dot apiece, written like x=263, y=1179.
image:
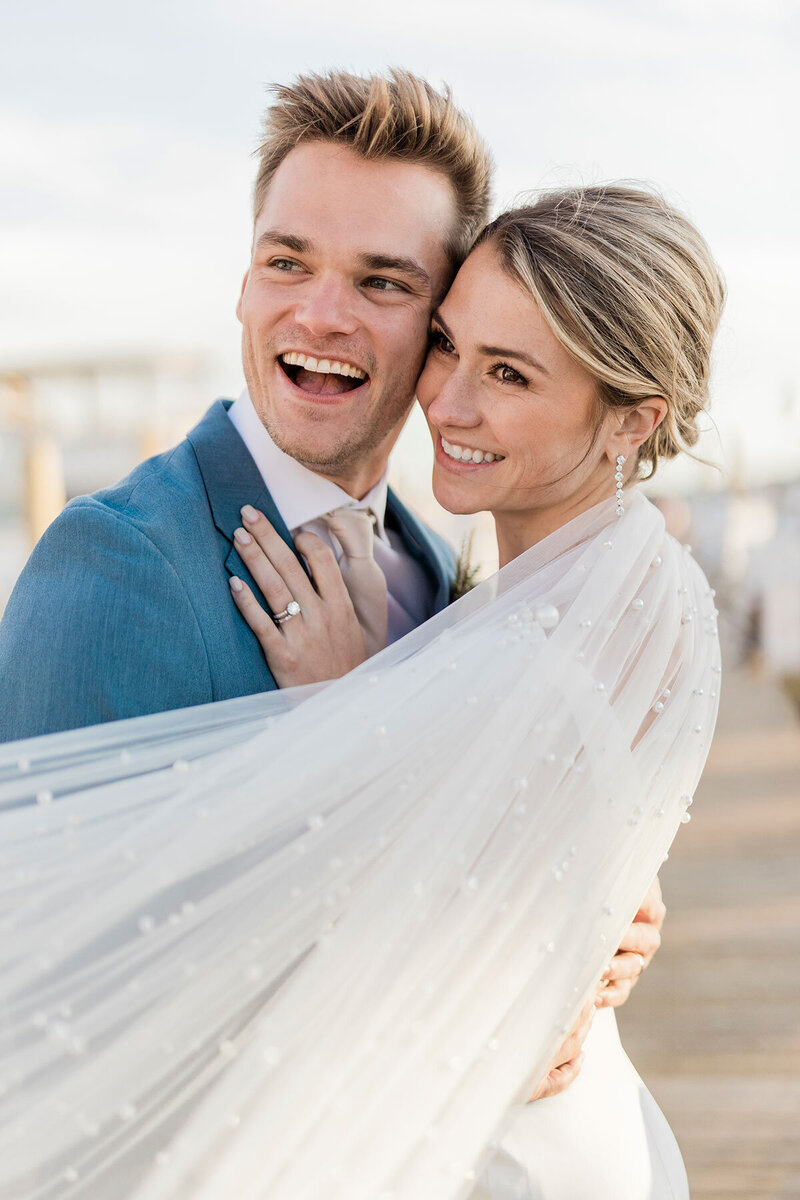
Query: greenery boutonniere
x=466, y=575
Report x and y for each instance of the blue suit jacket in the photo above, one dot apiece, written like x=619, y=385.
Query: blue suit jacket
x=124, y=608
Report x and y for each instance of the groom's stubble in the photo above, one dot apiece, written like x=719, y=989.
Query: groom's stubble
x=368, y=435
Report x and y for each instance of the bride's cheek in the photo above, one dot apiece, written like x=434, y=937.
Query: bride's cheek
x=423, y=394
x=430, y=381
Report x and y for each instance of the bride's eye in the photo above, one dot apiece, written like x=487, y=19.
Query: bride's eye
x=507, y=374
x=438, y=341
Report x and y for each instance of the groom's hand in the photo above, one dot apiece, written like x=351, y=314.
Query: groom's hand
x=635, y=951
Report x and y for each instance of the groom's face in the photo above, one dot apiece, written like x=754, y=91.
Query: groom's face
x=348, y=261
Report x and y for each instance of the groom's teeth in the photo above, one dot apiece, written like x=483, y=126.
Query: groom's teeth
x=323, y=366
x=463, y=454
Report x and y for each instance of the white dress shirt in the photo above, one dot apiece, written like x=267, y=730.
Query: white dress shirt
x=302, y=497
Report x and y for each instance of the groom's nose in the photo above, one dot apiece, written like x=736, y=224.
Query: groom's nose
x=327, y=306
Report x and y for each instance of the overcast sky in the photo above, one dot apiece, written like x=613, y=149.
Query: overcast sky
x=126, y=135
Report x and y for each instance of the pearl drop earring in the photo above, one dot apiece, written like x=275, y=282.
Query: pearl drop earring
x=618, y=477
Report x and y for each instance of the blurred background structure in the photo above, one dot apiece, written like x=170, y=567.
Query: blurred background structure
x=126, y=135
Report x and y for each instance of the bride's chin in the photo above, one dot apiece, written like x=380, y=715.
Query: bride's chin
x=456, y=500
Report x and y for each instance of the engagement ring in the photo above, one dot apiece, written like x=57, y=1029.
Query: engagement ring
x=291, y=610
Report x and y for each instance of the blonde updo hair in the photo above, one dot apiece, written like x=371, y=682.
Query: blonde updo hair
x=629, y=288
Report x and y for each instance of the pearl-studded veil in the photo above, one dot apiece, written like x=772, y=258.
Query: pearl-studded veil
x=317, y=943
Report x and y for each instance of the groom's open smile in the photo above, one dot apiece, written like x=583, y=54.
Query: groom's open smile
x=325, y=378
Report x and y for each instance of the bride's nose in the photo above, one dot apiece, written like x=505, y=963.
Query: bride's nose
x=455, y=405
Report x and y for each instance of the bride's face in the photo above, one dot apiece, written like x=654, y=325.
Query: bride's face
x=515, y=420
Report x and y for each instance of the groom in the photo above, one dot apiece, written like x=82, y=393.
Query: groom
x=369, y=194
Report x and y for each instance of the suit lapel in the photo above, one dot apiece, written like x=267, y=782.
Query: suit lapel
x=423, y=544
x=231, y=479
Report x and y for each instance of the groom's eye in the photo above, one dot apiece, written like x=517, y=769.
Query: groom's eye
x=379, y=283
x=284, y=264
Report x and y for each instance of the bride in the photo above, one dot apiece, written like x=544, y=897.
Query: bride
x=324, y=942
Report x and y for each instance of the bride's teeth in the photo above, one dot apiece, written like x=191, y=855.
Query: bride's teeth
x=462, y=454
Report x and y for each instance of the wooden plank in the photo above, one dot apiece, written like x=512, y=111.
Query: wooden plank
x=714, y=1027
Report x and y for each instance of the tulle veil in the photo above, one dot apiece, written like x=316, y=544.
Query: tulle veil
x=317, y=942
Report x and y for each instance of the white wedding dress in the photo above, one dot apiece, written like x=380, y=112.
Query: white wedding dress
x=323, y=943
x=605, y=1138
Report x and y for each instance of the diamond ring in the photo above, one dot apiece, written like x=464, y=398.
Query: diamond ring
x=292, y=609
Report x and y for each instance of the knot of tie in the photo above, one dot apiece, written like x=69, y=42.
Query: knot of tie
x=353, y=529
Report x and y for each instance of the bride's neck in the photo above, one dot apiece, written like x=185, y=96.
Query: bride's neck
x=518, y=530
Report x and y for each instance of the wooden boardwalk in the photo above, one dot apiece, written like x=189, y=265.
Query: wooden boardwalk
x=714, y=1027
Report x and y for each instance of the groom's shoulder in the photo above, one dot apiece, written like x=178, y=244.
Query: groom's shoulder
x=163, y=497
x=154, y=493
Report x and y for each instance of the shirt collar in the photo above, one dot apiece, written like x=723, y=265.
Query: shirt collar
x=300, y=495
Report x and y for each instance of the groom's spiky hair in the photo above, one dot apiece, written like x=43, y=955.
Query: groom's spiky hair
x=398, y=117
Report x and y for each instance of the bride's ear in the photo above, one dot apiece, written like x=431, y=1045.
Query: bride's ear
x=635, y=426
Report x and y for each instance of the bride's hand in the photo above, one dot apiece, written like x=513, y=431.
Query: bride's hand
x=635, y=951
x=568, y=1059
x=324, y=639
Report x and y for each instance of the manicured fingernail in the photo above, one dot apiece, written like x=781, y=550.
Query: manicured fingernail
x=242, y=537
x=249, y=513
x=236, y=583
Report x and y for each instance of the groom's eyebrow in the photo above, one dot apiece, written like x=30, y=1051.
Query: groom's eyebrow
x=393, y=262
x=275, y=237
x=493, y=351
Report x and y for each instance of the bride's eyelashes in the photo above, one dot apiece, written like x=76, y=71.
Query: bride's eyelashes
x=439, y=341
x=506, y=374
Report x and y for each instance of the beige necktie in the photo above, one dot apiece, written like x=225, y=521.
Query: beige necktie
x=363, y=578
